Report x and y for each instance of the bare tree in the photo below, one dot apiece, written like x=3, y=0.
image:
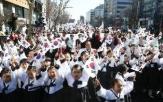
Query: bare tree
x=56, y=12
x=31, y=4
x=64, y=18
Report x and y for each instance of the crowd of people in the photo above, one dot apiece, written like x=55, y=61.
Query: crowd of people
x=82, y=64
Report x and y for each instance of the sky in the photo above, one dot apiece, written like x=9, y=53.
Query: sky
x=81, y=7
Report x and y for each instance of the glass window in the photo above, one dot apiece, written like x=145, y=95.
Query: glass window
x=19, y=11
x=126, y=3
x=121, y=7
x=7, y=8
x=26, y=13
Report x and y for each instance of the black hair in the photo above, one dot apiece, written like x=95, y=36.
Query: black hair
x=4, y=71
x=122, y=68
x=88, y=41
x=57, y=66
x=114, y=81
x=48, y=59
x=51, y=67
x=84, y=52
x=76, y=66
x=23, y=61
x=1, y=53
x=31, y=68
x=109, y=51
x=124, y=48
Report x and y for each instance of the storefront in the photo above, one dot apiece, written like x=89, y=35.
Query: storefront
x=21, y=3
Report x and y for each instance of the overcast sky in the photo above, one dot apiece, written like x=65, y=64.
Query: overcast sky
x=80, y=7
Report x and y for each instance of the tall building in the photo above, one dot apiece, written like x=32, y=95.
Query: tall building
x=88, y=16
x=99, y=11
x=114, y=11
x=107, y=12
x=96, y=15
x=92, y=15
x=118, y=6
x=82, y=20
x=152, y=14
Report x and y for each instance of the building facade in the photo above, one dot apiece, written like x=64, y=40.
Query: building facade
x=107, y=12
x=99, y=11
x=9, y=7
x=152, y=15
x=118, y=6
x=114, y=11
x=88, y=16
x=96, y=15
x=82, y=19
x=20, y=9
x=149, y=8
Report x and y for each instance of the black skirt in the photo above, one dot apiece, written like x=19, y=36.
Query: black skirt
x=20, y=95
x=56, y=97
x=120, y=100
x=11, y=97
x=33, y=96
x=107, y=77
x=77, y=95
x=153, y=76
x=161, y=80
x=1, y=97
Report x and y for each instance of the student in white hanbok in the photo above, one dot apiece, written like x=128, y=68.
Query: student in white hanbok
x=116, y=93
x=8, y=86
x=53, y=86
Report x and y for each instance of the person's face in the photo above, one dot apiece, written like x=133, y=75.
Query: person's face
x=123, y=40
x=118, y=87
x=126, y=58
x=76, y=73
x=122, y=50
x=110, y=54
x=47, y=63
x=88, y=45
x=25, y=65
x=52, y=74
x=10, y=42
x=133, y=47
x=21, y=49
x=30, y=55
x=85, y=56
x=13, y=60
x=31, y=74
x=67, y=56
x=7, y=77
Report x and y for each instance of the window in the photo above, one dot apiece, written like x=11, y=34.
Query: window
x=121, y=7
x=26, y=12
x=126, y=3
x=118, y=11
x=7, y=8
x=19, y=11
